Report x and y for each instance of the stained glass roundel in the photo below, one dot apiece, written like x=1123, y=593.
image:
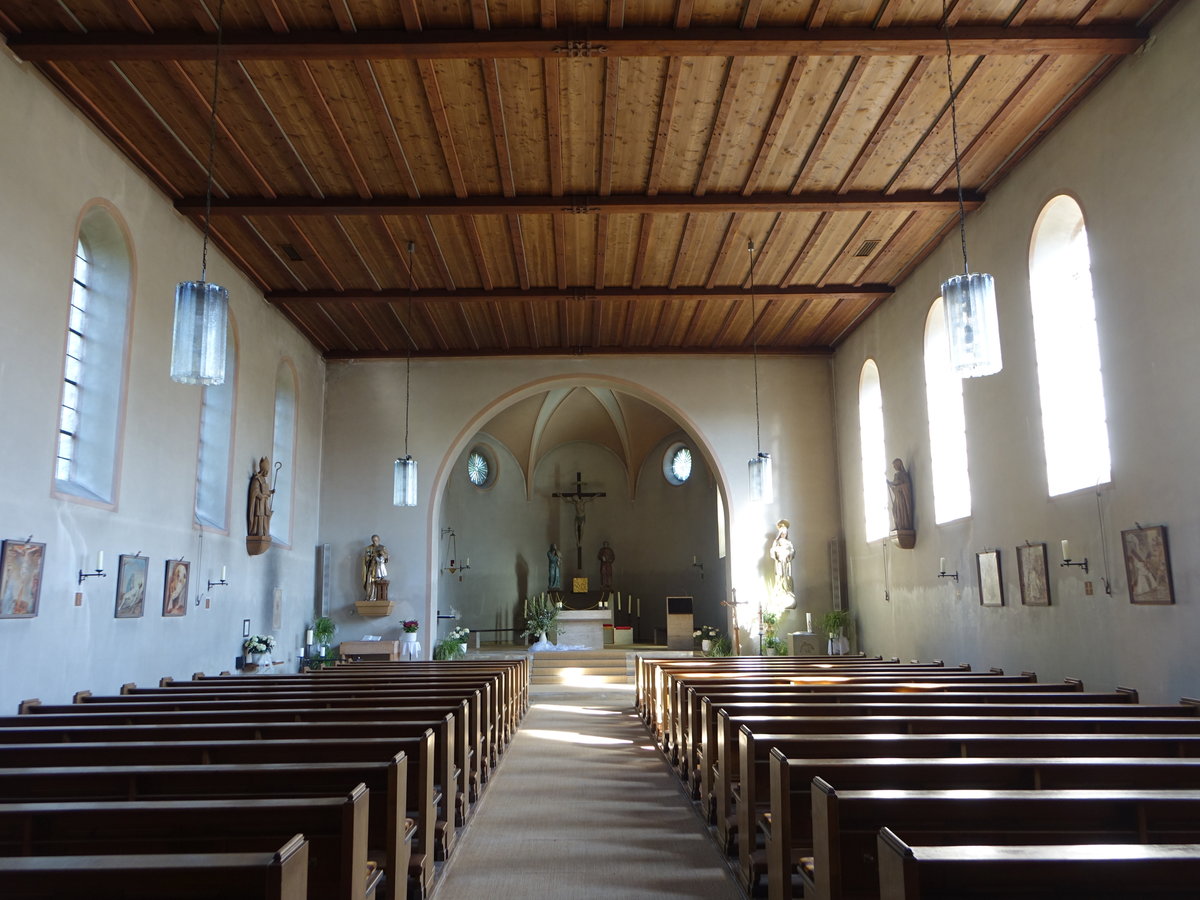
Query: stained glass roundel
x=478, y=469
x=677, y=464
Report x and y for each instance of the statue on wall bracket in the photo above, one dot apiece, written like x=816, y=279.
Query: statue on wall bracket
x=259, y=507
x=901, y=496
x=782, y=553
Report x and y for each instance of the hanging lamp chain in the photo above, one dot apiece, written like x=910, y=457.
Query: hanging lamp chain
x=412, y=246
x=754, y=345
x=962, y=212
x=212, y=140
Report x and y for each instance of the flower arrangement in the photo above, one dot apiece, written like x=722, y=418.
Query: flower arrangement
x=707, y=633
x=259, y=643
x=410, y=626
x=541, y=613
x=449, y=648
x=459, y=634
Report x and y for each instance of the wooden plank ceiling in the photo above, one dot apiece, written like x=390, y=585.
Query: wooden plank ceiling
x=576, y=176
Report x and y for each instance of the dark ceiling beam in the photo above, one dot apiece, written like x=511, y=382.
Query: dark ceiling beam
x=806, y=201
x=508, y=294
x=580, y=352
x=564, y=43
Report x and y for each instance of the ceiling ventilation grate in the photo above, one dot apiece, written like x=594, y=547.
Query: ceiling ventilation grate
x=867, y=248
x=291, y=252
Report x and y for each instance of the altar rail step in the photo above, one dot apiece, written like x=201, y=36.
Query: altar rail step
x=589, y=666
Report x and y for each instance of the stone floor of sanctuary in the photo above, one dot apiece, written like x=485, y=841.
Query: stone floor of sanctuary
x=583, y=806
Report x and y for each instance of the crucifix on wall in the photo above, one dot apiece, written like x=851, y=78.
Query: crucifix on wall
x=581, y=499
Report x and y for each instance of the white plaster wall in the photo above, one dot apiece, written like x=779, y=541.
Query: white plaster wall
x=1129, y=156
x=711, y=398
x=52, y=163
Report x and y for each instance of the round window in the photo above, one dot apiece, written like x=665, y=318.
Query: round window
x=479, y=468
x=677, y=463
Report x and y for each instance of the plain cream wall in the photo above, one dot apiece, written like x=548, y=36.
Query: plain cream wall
x=1128, y=155
x=52, y=165
x=711, y=399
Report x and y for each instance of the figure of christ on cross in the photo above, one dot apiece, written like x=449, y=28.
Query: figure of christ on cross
x=581, y=499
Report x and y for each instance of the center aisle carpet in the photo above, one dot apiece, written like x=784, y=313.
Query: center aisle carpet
x=583, y=806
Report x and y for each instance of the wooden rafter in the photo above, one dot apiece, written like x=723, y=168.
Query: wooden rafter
x=608, y=138
x=720, y=123
x=911, y=80
x=783, y=103
x=560, y=43
x=666, y=111
x=811, y=201
x=514, y=295
x=329, y=123
x=441, y=123
x=854, y=76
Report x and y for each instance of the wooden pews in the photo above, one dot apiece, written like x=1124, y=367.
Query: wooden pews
x=1038, y=872
x=890, y=743
x=282, y=875
x=421, y=738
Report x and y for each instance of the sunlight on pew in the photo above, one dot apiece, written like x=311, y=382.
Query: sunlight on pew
x=572, y=737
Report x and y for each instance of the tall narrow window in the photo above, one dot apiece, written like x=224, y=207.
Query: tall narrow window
x=947, y=424
x=874, y=454
x=94, y=362
x=1074, y=419
x=283, y=450
x=216, y=442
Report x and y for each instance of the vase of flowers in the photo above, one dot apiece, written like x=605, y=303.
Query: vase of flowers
x=459, y=636
x=259, y=646
x=410, y=626
x=706, y=634
x=541, y=614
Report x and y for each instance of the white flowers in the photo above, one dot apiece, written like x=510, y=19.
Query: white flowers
x=259, y=643
x=459, y=634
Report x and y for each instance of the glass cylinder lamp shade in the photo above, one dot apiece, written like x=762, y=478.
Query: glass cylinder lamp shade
x=762, y=488
x=198, y=341
x=404, y=485
x=970, y=302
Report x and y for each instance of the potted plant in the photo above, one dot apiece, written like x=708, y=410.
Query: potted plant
x=706, y=634
x=541, y=614
x=459, y=636
x=323, y=629
x=722, y=645
x=258, y=646
x=449, y=648
x=834, y=623
x=411, y=627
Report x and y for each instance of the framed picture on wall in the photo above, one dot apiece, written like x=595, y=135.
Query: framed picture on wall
x=1147, y=565
x=991, y=587
x=1033, y=571
x=131, y=586
x=21, y=565
x=175, y=587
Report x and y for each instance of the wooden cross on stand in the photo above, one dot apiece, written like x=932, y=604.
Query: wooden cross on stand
x=581, y=499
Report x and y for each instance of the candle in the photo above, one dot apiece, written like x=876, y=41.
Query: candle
x=942, y=565
x=100, y=561
x=694, y=560
x=308, y=637
x=1066, y=545
x=639, y=612
x=467, y=564
x=222, y=573
x=808, y=622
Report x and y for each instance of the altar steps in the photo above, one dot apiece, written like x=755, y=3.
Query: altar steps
x=583, y=667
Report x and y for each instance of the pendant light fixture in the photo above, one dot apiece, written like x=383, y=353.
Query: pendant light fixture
x=202, y=308
x=969, y=298
x=762, y=489
x=404, y=480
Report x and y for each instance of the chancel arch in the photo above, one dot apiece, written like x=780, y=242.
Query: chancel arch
x=600, y=446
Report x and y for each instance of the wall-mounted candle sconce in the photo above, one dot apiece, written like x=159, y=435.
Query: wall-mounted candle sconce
x=696, y=564
x=221, y=583
x=99, y=573
x=1066, y=560
x=942, y=573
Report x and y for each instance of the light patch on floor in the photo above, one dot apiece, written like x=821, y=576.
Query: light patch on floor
x=572, y=737
x=580, y=710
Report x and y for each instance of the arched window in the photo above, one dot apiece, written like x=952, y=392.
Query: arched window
x=283, y=450
x=1074, y=419
x=93, y=389
x=874, y=454
x=214, y=456
x=947, y=424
